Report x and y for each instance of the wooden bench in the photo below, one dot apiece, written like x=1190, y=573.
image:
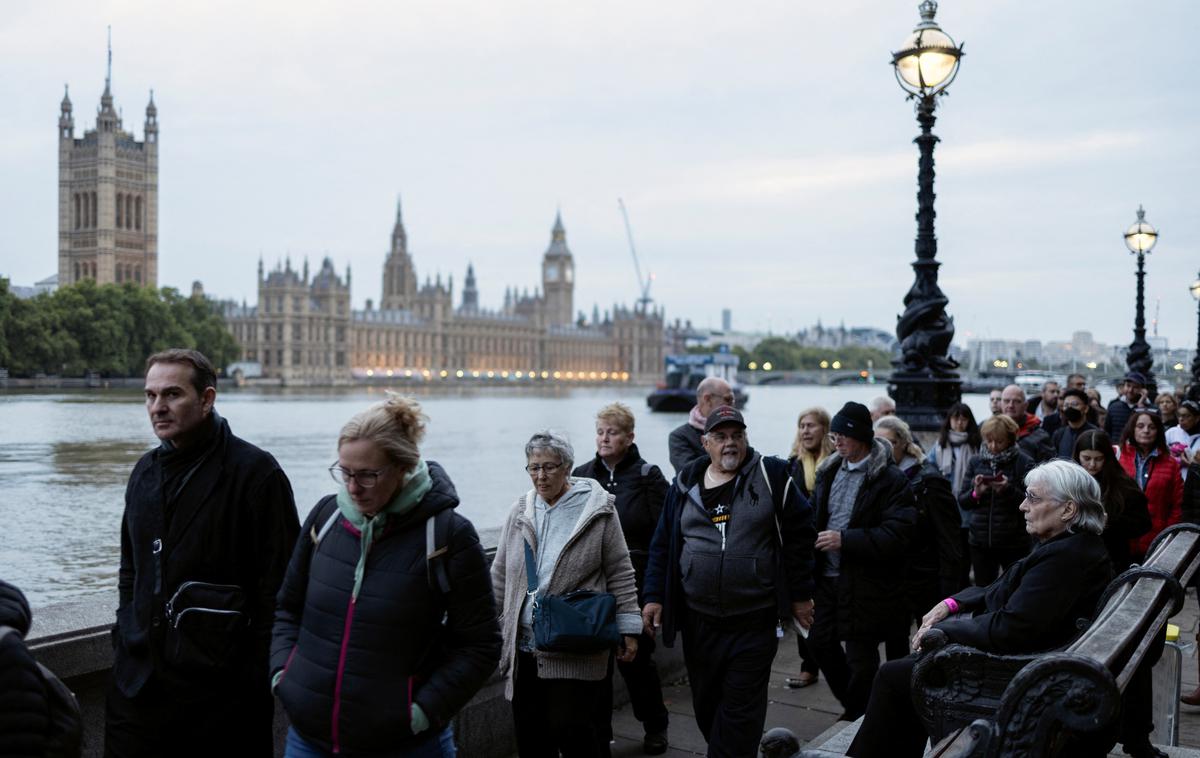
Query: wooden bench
x=986, y=705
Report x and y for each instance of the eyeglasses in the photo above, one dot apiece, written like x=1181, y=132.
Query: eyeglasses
x=545, y=468
x=365, y=479
x=1038, y=499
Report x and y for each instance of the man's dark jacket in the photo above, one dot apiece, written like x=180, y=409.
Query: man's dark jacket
x=233, y=522
x=1034, y=605
x=1064, y=439
x=875, y=545
x=684, y=446
x=366, y=663
x=640, y=490
x=1118, y=415
x=794, y=554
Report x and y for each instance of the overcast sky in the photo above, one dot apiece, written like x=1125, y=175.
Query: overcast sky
x=763, y=149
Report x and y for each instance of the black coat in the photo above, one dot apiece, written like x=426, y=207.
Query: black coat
x=1064, y=439
x=639, y=501
x=871, y=601
x=684, y=446
x=936, y=562
x=996, y=518
x=1034, y=605
x=370, y=659
x=1132, y=522
x=234, y=522
x=24, y=714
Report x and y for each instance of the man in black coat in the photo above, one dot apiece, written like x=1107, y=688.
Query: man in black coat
x=865, y=515
x=1073, y=408
x=208, y=529
x=639, y=489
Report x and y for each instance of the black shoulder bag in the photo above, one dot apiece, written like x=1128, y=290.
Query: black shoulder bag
x=582, y=621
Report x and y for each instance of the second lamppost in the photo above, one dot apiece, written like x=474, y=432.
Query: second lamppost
x=926, y=381
x=1140, y=238
x=1193, y=392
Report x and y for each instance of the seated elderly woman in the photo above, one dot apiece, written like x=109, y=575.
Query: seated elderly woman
x=1032, y=607
x=573, y=531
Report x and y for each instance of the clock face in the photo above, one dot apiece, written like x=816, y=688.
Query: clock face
x=552, y=271
x=569, y=273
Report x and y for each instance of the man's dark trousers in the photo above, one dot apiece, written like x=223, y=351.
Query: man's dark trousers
x=157, y=723
x=729, y=667
x=849, y=673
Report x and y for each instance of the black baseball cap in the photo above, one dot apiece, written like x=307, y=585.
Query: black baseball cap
x=725, y=414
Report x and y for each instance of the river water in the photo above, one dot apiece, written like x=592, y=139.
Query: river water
x=65, y=456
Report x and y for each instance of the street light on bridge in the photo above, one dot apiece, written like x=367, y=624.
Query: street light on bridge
x=1140, y=238
x=926, y=382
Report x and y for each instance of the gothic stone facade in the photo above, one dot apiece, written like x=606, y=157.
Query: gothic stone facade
x=303, y=331
x=107, y=198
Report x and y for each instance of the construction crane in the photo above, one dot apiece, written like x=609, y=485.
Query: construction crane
x=643, y=283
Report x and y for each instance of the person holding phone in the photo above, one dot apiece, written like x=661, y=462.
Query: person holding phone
x=996, y=478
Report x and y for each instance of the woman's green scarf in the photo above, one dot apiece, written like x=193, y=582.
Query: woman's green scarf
x=416, y=484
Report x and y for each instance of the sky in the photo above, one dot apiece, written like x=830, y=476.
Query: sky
x=763, y=150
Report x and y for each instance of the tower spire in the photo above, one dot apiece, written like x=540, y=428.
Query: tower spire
x=108, y=71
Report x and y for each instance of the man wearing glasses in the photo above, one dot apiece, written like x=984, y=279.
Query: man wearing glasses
x=865, y=514
x=208, y=529
x=731, y=557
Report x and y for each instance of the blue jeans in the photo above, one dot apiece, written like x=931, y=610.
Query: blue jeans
x=433, y=746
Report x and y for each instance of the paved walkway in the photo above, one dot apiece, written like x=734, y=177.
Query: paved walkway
x=812, y=710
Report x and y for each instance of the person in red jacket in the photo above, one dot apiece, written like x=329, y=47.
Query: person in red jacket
x=1146, y=458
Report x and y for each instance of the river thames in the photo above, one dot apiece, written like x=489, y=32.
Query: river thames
x=65, y=456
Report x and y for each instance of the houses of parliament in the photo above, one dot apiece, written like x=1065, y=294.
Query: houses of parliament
x=303, y=329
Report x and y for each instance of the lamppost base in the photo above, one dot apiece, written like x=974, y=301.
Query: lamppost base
x=923, y=399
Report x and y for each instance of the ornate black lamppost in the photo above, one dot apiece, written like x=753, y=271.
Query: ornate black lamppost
x=925, y=382
x=1140, y=239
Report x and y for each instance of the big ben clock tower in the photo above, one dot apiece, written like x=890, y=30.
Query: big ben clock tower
x=558, y=277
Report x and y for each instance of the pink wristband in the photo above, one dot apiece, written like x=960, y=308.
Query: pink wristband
x=952, y=604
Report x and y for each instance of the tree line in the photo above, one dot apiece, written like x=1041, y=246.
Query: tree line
x=109, y=329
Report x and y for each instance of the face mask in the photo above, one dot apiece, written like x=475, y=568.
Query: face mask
x=1074, y=415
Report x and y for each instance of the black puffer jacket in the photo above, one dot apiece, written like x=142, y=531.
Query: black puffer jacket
x=24, y=715
x=366, y=661
x=996, y=518
x=640, y=489
x=874, y=546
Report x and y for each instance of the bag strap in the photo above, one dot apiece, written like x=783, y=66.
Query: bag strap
x=530, y=570
x=327, y=524
x=437, y=528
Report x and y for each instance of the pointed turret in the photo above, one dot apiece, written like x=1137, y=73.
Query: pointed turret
x=399, y=236
x=399, y=275
x=558, y=275
x=151, y=125
x=470, y=295
x=66, y=121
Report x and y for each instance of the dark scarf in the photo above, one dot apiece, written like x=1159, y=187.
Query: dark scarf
x=1001, y=459
x=178, y=464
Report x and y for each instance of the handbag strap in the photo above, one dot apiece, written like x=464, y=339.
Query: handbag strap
x=530, y=570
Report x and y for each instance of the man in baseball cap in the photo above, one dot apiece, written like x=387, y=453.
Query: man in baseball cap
x=739, y=582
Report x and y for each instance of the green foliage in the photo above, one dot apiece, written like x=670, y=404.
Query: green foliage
x=110, y=329
x=787, y=355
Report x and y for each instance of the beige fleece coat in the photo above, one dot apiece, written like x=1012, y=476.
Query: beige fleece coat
x=594, y=557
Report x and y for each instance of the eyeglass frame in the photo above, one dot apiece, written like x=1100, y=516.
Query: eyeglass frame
x=549, y=469
x=345, y=476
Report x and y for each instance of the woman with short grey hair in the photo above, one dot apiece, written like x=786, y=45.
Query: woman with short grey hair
x=571, y=527
x=1068, y=482
x=1032, y=607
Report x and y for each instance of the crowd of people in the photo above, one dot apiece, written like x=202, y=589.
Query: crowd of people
x=378, y=618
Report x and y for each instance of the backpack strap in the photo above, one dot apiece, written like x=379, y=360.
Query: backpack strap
x=437, y=550
x=315, y=534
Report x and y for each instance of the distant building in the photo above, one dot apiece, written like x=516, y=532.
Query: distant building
x=49, y=284
x=840, y=336
x=303, y=331
x=107, y=197
x=726, y=320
